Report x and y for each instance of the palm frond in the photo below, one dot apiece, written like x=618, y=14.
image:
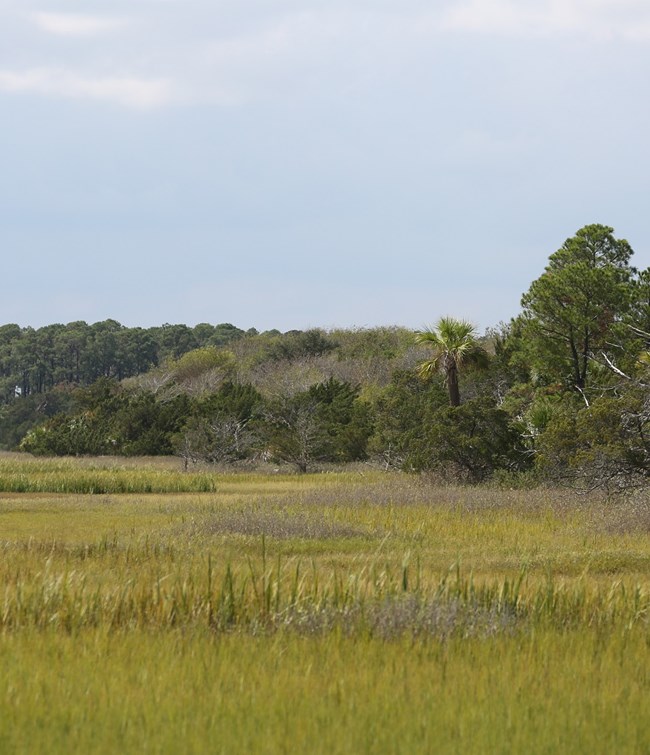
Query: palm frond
x=454, y=343
x=429, y=366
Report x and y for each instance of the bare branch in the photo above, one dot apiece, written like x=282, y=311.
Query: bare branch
x=613, y=367
x=582, y=393
x=638, y=331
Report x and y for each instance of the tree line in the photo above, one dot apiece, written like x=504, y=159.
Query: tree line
x=560, y=392
x=35, y=360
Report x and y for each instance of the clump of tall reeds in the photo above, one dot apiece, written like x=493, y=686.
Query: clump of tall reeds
x=268, y=597
x=51, y=476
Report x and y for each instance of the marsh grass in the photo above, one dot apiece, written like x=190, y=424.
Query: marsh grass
x=341, y=612
x=170, y=692
x=50, y=586
x=21, y=473
x=68, y=477
x=264, y=597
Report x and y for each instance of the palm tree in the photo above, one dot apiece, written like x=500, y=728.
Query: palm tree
x=454, y=344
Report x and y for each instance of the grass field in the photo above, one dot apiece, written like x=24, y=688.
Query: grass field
x=143, y=609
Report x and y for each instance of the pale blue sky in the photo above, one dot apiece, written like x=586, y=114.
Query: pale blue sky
x=297, y=163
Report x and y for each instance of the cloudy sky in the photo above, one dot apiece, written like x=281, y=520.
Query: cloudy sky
x=297, y=163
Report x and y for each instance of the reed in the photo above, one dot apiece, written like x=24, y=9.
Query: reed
x=48, y=586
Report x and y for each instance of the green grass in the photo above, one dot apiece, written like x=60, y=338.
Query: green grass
x=329, y=613
x=68, y=476
x=199, y=692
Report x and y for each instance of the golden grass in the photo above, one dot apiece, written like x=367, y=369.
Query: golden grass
x=322, y=613
x=199, y=692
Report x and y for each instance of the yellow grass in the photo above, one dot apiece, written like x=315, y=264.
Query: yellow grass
x=344, y=612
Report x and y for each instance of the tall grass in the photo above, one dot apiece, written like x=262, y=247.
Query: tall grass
x=112, y=475
x=67, y=477
x=293, y=597
x=332, y=613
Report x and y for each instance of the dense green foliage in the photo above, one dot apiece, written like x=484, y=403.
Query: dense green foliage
x=572, y=311
x=561, y=390
x=36, y=360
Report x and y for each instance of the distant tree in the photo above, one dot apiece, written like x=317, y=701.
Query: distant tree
x=346, y=421
x=197, y=362
x=71, y=345
x=202, y=333
x=605, y=445
x=221, y=440
x=18, y=417
x=86, y=430
x=365, y=343
x=142, y=426
x=469, y=443
x=571, y=310
x=400, y=412
x=454, y=344
x=292, y=430
x=296, y=344
x=225, y=333
x=102, y=351
x=137, y=352
x=239, y=400
x=221, y=430
x=327, y=422
x=175, y=340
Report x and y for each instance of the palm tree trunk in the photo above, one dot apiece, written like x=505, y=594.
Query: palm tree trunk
x=452, y=383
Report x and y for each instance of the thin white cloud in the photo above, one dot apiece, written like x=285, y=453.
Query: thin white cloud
x=132, y=92
x=601, y=19
x=74, y=24
x=225, y=56
x=303, y=47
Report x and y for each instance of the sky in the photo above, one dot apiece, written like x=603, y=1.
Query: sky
x=311, y=163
